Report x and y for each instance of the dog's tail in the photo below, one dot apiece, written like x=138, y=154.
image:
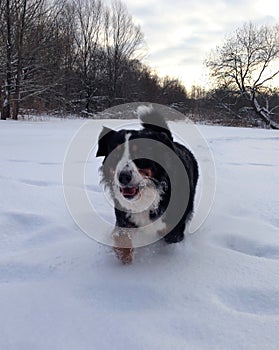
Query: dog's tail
x=152, y=119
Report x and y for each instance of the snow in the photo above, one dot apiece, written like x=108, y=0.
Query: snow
x=59, y=289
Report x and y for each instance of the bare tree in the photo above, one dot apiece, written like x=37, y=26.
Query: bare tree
x=123, y=40
x=63, y=50
x=27, y=25
x=7, y=47
x=89, y=25
x=247, y=63
x=18, y=16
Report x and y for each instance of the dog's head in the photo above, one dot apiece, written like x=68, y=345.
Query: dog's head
x=130, y=170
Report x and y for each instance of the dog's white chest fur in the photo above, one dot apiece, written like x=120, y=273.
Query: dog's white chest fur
x=146, y=225
x=140, y=219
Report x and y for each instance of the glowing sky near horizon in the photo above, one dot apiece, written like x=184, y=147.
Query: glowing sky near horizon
x=179, y=34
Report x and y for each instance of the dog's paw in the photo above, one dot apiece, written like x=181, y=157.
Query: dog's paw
x=125, y=255
x=123, y=248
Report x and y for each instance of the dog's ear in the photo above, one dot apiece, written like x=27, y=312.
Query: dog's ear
x=103, y=142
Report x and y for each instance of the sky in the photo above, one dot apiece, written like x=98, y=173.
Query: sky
x=179, y=34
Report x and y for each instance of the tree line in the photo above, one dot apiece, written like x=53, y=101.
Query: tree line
x=74, y=56
x=82, y=56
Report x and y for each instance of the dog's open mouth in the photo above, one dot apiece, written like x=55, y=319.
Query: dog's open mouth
x=129, y=192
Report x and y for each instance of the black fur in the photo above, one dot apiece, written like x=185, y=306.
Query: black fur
x=154, y=128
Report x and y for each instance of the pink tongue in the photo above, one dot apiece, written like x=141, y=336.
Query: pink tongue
x=129, y=191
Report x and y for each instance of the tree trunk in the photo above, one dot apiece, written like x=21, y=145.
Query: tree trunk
x=19, y=62
x=264, y=113
x=6, y=108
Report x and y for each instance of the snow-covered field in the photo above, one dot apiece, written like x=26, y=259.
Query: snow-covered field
x=61, y=290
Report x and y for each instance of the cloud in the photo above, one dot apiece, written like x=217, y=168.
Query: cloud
x=180, y=33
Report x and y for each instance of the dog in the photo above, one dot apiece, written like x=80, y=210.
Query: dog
x=140, y=169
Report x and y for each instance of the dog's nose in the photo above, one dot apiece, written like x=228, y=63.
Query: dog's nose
x=125, y=177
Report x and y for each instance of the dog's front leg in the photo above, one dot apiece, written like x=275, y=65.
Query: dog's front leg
x=123, y=245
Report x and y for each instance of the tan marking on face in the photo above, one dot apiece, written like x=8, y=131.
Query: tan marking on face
x=146, y=172
x=134, y=147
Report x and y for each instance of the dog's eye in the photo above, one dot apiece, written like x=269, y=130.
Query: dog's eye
x=146, y=172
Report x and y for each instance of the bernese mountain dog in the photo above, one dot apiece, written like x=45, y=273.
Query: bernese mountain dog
x=152, y=180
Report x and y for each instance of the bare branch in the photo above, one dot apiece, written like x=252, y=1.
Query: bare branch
x=247, y=62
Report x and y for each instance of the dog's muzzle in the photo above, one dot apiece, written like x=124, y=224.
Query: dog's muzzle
x=127, y=188
x=125, y=177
